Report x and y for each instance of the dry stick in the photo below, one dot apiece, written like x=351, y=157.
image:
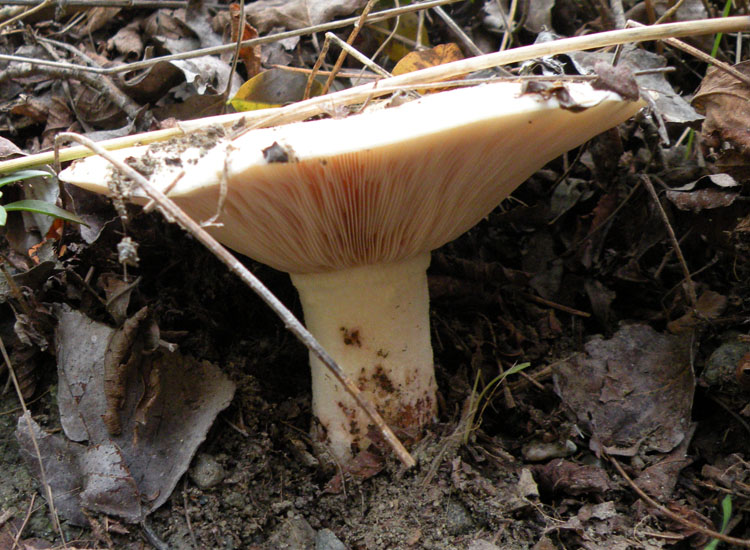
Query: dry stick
x=316, y=105
x=241, y=22
x=102, y=84
x=27, y=418
x=356, y=54
x=26, y=13
x=703, y=56
x=352, y=35
x=670, y=12
x=676, y=517
x=316, y=67
x=29, y=511
x=374, y=17
x=172, y=212
x=692, y=297
x=458, y=31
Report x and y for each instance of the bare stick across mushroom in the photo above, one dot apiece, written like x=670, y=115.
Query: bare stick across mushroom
x=352, y=207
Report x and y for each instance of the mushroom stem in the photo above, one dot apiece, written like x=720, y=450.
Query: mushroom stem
x=374, y=321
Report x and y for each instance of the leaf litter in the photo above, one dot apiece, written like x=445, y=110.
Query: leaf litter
x=581, y=250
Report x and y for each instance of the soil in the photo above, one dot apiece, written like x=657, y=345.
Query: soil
x=580, y=252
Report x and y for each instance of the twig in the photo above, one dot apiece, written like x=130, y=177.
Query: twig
x=349, y=41
x=316, y=67
x=676, y=517
x=670, y=12
x=458, y=31
x=356, y=54
x=25, y=522
x=554, y=305
x=172, y=211
x=187, y=513
x=703, y=56
x=27, y=418
x=102, y=84
x=26, y=13
x=692, y=296
x=618, y=13
x=241, y=22
x=509, y=23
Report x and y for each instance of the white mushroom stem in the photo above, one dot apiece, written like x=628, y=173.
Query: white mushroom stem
x=374, y=321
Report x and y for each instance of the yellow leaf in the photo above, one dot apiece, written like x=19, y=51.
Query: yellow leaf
x=440, y=54
x=272, y=88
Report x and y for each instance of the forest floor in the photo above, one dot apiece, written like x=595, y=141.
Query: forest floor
x=628, y=429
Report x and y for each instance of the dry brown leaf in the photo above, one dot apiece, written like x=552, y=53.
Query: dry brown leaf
x=724, y=100
x=296, y=14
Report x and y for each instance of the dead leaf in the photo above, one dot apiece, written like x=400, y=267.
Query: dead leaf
x=296, y=14
x=272, y=88
x=660, y=479
x=709, y=306
x=128, y=42
x=668, y=103
x=702, y=199
x=440, y=54
x=631, y=392
x=163, y=423
x=151, y=84
x=724, y=100
x=561, y=476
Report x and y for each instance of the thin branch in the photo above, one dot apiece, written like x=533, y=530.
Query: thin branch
x=703, y=56
x=676, y=517
x=26, y=13
x=356, y=54
x=458, y=31
x=172, y=212
x=692, y=296
x=352, y=36
x=102, y=84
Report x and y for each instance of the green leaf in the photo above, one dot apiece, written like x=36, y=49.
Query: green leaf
x=3, y=215
x=24, y=175
x=42, y=207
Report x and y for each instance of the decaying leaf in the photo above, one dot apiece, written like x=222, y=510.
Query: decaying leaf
x=724, y=99
x=633, y=392
x=709, y=306
x=668, y=103
x=295, y=14
x=440, y=54
x=168, y=404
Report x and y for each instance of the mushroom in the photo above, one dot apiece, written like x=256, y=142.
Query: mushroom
x=352, y=207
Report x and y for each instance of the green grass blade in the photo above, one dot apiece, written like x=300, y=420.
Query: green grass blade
x=42, y=207
x=24, y=175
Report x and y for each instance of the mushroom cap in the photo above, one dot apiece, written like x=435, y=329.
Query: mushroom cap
x=375, y=187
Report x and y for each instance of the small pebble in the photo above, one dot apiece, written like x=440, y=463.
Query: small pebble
x=327, y=540
x=206, y=472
